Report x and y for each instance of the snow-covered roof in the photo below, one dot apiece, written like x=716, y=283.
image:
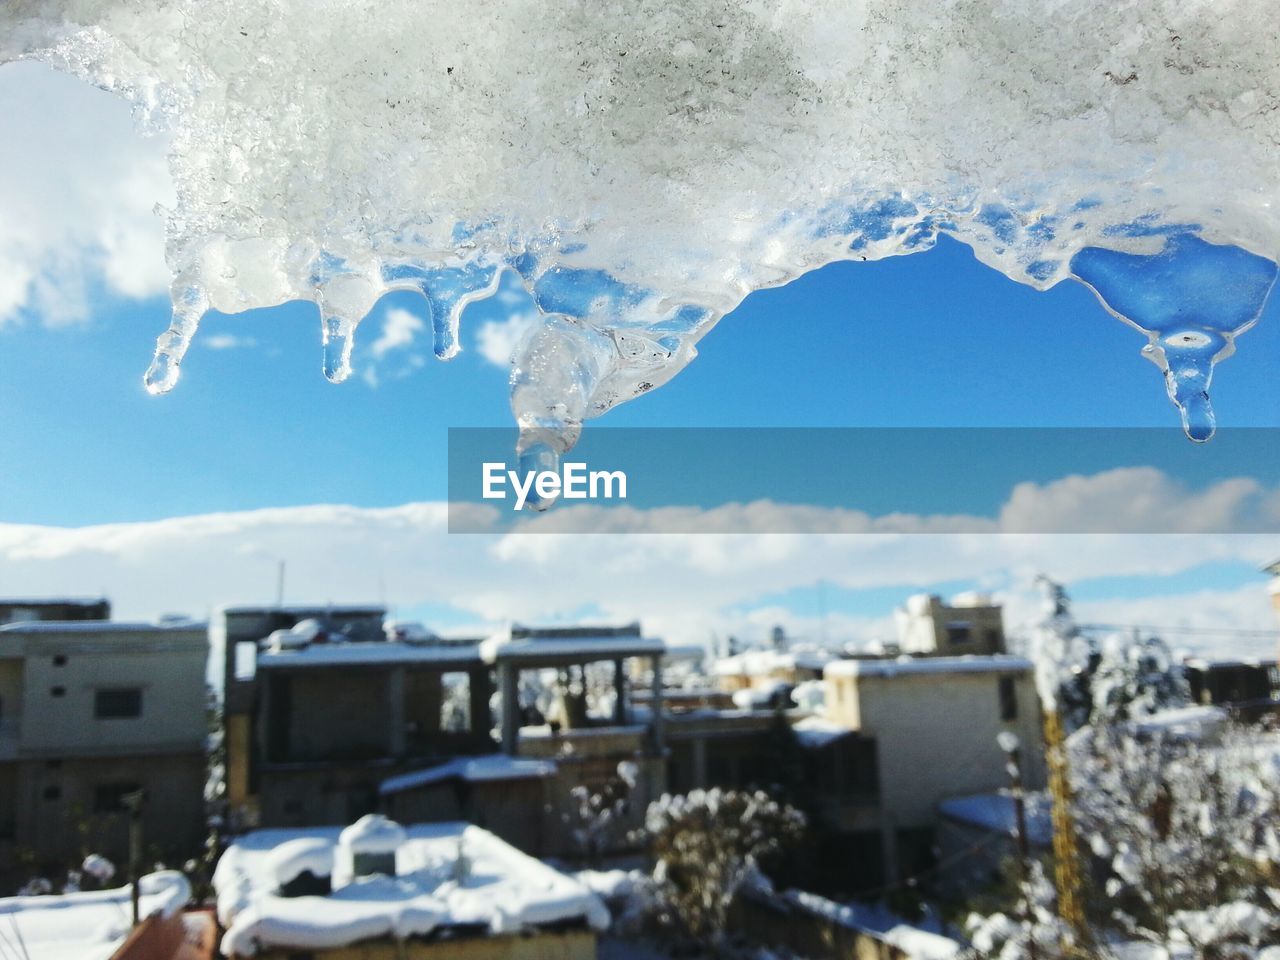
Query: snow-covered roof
x=814, y=733
x=913, y=941
x=304, y=609
x=89, y=925
x=495, y=886
x=1184, y=722
x=98, y=626
x=498, y=766
x=349, y=653
x=534, y=649
x=927, y=665
x=995, y=812
x=753, y=663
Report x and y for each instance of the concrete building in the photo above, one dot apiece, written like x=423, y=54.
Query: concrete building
x=329, y=716
x=93, y=711
x=933, y=722
x=969, y=624
x=321, y=705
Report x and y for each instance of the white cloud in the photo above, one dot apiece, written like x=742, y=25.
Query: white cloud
x=398, y=332
x=682, y=586
x=496, y=340
x=226, y=341
x=391, y=354
x=81, y=185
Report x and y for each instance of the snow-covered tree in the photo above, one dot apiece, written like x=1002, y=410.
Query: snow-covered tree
x=1063, y=655
x=1136, y=676
x=705, y=845
x=1184, y=835
x=1126, y=675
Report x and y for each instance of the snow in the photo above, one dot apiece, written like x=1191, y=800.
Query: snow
x=901, y=666
x=761, y=663
x=814, y=733
x=375, y=652
x=409, y=631
x=995, y=812
x=917, y=944
x=96, y=626
x=503, y=646
x=314, y=855
x=87, y=926
x=610, y=884
x=494, y=885
x=1185, y=722
x=497, y=766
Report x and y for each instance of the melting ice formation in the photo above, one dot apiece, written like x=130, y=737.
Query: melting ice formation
x=644, y=165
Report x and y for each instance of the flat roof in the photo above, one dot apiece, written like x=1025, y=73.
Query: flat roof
x=485, y=769
x=996, y=812
x=302, y=608
x=371, y=652
x=99, y=626
x=901, y=666
x=535, y=651
x=500, y=889
x=89, y=925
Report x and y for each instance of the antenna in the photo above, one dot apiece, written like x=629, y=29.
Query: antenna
x=280, y=584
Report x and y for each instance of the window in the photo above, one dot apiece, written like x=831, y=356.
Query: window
x=57, y=691
x=958, y=632
x=109, y=797
x=60, y=660
x=1008, y=699
x=120, y=703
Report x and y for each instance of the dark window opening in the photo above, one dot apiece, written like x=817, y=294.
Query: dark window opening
x=958, y=633
x=123, y=703
x=109, y=797
x=57, y=691
x=1008, y=699
x=60, y=660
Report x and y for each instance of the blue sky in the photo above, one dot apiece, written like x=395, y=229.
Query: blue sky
x=185, y=501
x=933, y=339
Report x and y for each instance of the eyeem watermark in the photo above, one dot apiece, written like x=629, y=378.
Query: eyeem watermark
x=573, y=482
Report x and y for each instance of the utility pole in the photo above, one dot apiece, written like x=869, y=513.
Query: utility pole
x=133, y=802
x=1012, y=747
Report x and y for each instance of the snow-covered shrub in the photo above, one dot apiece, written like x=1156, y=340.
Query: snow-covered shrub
x=1034, y=929
x=705, y=845
x=1135, y=677
x=597, y=813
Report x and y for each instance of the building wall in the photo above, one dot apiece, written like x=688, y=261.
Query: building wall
x=10, y=707
x=334, y=714
x=63, y=672
x=925, y=627
x=936, y=737
x=60, y=816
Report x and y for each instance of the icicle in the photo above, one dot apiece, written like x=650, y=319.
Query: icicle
x=189, y=304
x=1191, y=299
x=449, y=291
x=343, y=300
